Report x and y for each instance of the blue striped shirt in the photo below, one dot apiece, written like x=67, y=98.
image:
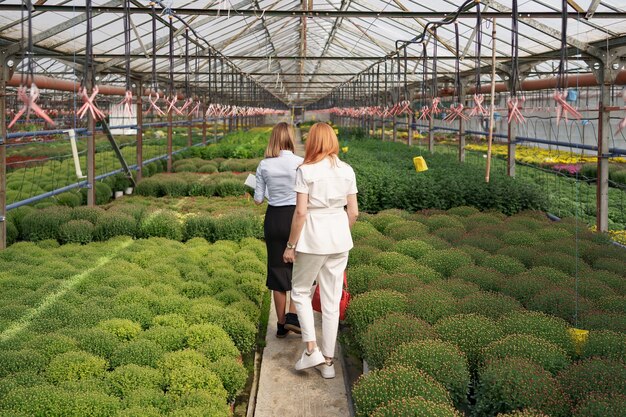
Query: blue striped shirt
x=275, y=179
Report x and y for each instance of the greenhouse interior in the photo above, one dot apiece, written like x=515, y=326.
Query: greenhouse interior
x=487, y=269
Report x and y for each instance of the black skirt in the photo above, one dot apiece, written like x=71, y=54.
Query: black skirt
x=276, y=229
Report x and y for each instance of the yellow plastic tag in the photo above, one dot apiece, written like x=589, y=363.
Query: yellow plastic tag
x=420, y=164
x=579, y=337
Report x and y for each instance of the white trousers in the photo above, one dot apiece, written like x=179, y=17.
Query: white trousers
x=328, y=271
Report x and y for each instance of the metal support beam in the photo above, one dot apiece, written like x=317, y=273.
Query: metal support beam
x=336, y=25
x=409, y=122
x=139, y=56
x=431, y=135
x=395, y=128
x=118, y=152
x=592, y=9
x=462, y=123
x=532, y=20
x=91, y=144
x=203, y=123
x=79, y=18
x=604, y=133
x=511, y=147
x=190, y=131
x=4, y=76
x=169, y=141
x=139, y=132
x=399, y=14
x=511, y=140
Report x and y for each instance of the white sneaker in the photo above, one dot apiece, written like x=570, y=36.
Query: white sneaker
x=309, y=360
x=327, y=370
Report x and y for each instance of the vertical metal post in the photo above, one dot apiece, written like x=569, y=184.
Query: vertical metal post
x=395, y=127
x=511, y=145
x=215, y=130
x=3, y=153
x=139, y=131
x=462, y=124
x=203, y=127
x=169, y=141
x=190, y=131
x=382, y=128
x=431, y=135
x=602, y=182
x=409, y=124
x=511, y=141
x=91, y=151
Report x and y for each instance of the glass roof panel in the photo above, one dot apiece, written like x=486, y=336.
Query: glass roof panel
x=362, y=40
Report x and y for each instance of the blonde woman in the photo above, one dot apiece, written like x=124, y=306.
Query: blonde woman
x=275, y=177
x=319, y=242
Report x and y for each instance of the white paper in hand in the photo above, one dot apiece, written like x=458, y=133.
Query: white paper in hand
x=251, y=181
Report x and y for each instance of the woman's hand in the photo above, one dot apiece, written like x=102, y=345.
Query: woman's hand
x=289, y=256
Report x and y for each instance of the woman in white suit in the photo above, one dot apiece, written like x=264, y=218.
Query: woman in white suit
x=319, y=241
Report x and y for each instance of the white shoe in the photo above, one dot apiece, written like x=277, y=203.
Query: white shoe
x=309, y=360
x=327, y=370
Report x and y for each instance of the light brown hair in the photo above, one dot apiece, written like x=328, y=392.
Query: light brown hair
x=321, y=143
x=281, y=139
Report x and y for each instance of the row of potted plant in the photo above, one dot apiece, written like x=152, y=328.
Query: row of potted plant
x=481, y=306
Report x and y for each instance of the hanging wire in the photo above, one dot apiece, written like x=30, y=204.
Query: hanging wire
x=378, y=84
x=406, y=85
x=434, y=91
x=424, y=69
x=562, y=70
x=28, y=53
x=187, y=64
x=171, y=58
x=385, y=86
x=457, y=65
x=478, y=44
x=515, y=80
x=155, y=82
x=127, y=29
x=89, y=46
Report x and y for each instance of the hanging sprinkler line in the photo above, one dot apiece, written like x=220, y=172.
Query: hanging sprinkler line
x=492, y=99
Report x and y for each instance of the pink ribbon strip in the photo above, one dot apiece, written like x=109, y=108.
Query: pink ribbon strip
x=172, y=105
x=153, y=98
x=424, y=114
x=30, y=104
x=622, y=124
x=127, y=103
x=405, y=107
x=563, y=108
x=89, y=105
x=515, y=114
x=455, y=112
x=195, y=110
x=434, y=108
x=478, y=109
x=188, y=103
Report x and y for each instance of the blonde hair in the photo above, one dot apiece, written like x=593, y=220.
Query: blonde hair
x=321, y=143
x=280, y=139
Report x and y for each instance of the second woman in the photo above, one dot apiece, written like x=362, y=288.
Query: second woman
x=275, y=178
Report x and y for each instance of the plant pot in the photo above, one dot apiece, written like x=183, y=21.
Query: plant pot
x=128, y=191
x=118, y=194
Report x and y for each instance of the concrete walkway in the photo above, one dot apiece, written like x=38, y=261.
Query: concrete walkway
x=285, y=392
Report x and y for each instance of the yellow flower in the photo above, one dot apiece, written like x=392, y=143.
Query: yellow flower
x=344, y=149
